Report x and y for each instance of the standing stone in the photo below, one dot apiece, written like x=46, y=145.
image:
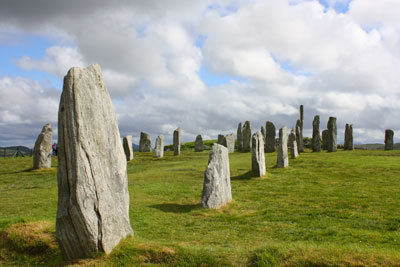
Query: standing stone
x=301, y=119
x=257, y=154
x=246, y=137
x=145, y=143
x=177, y=141
x=221, y=140
x=348, y=137
x=389, y=139
x=198, y=144
x=229, y=142
x=283, y=159
x=332, y=135
x=264, y=134
x=325, y=139
x=128, y=147
x=299, y=136
x=43, y=148
x=240, y=138
x=93, y=197
x=217, y=180
x=316, y=138
x=269, y=137
x=293, y=144
x=159, y=149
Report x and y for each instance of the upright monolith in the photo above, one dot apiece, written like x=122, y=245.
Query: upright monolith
x=294, y=152
x=217, y=181
x=299, y=136
x=332, y=135
x=283, y=159
x=257, y=154
x=229, y=142
x=198, y=144
x=270, y=133
x=325, y=139
x=159, y=148
x=43, y=148
x=316, y=137
x=246, y=137
x=177, y=141
x=389, y=139
x=348, y=137
x=127, y=143
x=221, y=140
x=145, y=143
x=240, y=138
x=264, y=134
x=93, y=197
x=301, y=118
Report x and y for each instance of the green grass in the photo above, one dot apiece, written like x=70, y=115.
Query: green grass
x=326, y=209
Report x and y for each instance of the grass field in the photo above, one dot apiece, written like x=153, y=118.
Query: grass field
x=326, y=209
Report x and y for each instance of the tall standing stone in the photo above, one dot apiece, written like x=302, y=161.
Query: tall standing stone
x=299, y=136
x=246, y=137
x=325, y=139
x=93, y=197
x=283, y=159
x=127, y=143
x=316, y=137
x=229, y=142
x=221, y=140
x=217, y=180
x=198, y=144
x=270, y=133
x=294, y=152
x=43, y=148
x=145, y=143
x=332, y=135
x=264, y=135
x=177, y=141
x=301, y=119
x=257, y=154
x=348, y=137
x=240, y=137
x=389, y=139
x=159, y=149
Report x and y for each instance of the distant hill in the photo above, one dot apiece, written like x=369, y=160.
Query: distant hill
x=10, y=150
x=376, y=146
x=135, y=147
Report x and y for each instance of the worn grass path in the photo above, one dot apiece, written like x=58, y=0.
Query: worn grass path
x=332, y=209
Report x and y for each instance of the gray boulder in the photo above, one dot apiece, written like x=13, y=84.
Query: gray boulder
x=283, y=159
x=198, y=144
x=389, y=139
x=240, y=137
x=93, y=197
x=127, y=142
x=217, y=181
x=145, y=143
x=348, y=137
x=43, y=148
x=325, y=139
x=159, y=149
x=293, y=144
x=257, y=154
x=316, y=137
x=177, y=141
x=246, y=137
x=270, y=133
x=332, y=135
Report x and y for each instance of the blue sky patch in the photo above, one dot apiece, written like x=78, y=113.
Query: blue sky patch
x=212, y=79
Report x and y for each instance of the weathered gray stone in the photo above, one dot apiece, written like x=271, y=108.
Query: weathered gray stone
x=325, y=139
x=145, y=143
x=93, y=197
x=257, y=154
x=246, y=137
x=198, y=144
x=221, y=140
x=264, y=135
x=348, y=137
x=159, y=149
x=229, y=142
x=301, y=119
x=299, y=137
x=270, y=133
x=316, y=137
x=332, y=135
x=177, y=141
x=389, y=139
x=283, y=159
x=43, y=148
x=217, y=181
x=294, y=152
x=127, y=141
x=240, y=137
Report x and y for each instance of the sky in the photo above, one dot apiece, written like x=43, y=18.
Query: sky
x=205, y=65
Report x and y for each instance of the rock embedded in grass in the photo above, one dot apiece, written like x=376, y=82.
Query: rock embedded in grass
x=257, y=154
x=316, y=138
x=332, y=135
x=145, y=143
x=198, y=144
x=93, y=197
x=43, y=148
x=269, y=137
x=127, y=143
x=177, y=141
x=389, y=139
x=283, y=159
x=293, y=144
x=217, y=181
x=159, y=148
